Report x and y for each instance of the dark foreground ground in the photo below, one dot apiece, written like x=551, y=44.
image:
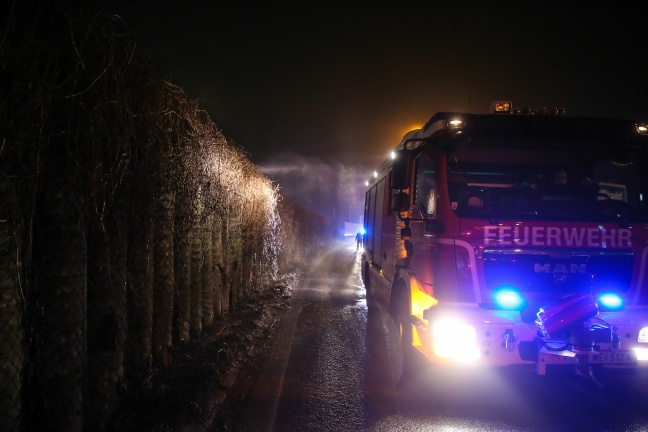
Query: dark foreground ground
x=191, y=396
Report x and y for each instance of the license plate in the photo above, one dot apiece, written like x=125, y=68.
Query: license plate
x=614, y=357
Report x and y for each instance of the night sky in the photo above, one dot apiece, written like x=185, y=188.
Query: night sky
x=341, y=83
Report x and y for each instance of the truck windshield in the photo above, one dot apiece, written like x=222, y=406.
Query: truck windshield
x=560, y=183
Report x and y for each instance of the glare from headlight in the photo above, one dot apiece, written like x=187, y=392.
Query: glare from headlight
x=455, y=340
x=641, y=353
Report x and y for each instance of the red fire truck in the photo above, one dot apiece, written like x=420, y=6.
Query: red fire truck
x=514, y=237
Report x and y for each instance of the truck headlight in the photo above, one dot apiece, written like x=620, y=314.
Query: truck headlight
x=641, y=353
x=455, y=340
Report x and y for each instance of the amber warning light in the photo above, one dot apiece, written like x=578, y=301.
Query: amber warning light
x=502, y=107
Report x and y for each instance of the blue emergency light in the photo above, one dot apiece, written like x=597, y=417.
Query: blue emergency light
x=508, y=298
x=610, y=301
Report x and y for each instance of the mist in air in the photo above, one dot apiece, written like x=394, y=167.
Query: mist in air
x=332, y=189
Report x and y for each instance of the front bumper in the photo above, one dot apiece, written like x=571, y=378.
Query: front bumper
x=501, y=338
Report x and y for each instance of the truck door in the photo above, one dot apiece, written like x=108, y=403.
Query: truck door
x=377, y=215
x=425, y=200
x=373, y=220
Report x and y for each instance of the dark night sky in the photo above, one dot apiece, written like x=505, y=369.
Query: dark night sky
x=342, y=82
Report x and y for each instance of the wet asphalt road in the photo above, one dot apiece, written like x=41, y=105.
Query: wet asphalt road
x=335, y=366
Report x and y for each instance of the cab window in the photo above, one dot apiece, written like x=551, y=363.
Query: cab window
x=425, y=192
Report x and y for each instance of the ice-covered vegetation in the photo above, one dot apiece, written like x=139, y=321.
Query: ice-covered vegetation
x=129, y=223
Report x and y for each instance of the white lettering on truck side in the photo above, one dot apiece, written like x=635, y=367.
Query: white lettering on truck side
x=505, y=235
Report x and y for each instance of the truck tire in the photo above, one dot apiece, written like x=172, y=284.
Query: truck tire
x=365, y=280
x=400, y=313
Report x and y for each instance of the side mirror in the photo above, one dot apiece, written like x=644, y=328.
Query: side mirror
x=400, y=173
x=400, y=202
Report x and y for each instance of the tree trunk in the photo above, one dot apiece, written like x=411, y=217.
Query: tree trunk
x=12, y=241
x=235, y=253
x=106, y=315
x=217, y=264
x=196, y=283
x=59, y=303
x=208, y=282
x=163, y=278
x=182, y=263
x=140, y=287
x=228, y=238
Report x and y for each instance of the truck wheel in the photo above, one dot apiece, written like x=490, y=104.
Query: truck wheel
x=365, y=280
x=400, y=312
x=401, y=315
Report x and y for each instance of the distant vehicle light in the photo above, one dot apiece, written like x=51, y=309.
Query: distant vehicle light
x=502, y=107
x=393, y=155
x=508, y=298
x=455, y=340
x=642, y=129
x=610, y=301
